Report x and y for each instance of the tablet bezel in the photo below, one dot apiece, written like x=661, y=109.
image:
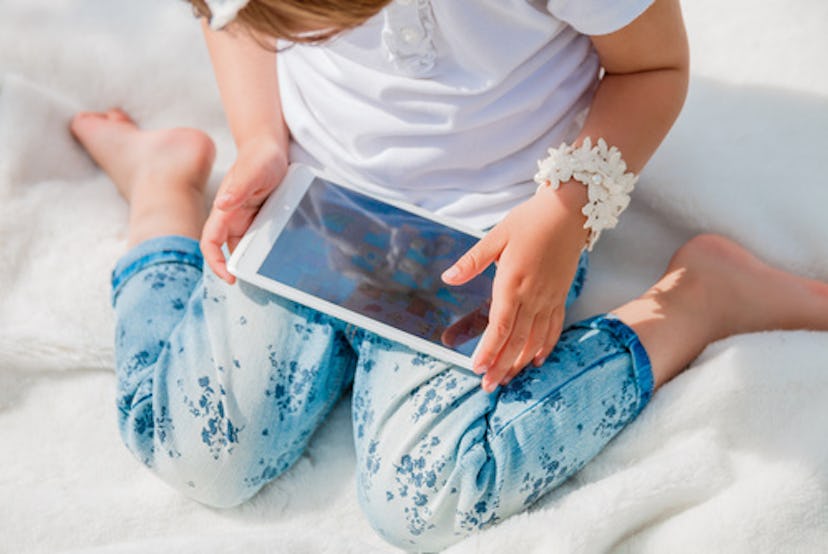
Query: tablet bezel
x=257, y=243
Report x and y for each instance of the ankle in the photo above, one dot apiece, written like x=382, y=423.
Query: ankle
x=174, y=159
x=158, y=208
x=185, y=221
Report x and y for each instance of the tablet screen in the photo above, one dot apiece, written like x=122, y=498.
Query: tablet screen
x=381, y=262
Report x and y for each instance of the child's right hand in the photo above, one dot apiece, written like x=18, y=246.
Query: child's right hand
x=260, y=167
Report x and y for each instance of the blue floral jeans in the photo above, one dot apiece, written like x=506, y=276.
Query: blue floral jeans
x=220, y=389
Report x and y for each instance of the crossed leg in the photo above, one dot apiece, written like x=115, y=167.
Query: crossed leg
x=712, y=288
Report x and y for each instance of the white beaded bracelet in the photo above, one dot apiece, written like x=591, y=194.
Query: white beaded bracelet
x=603, y=172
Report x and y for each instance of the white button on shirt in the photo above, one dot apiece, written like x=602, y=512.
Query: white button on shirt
x=411, y=35
x=448, y=104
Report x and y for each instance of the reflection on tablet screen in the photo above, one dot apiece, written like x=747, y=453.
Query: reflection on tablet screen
x=383, y=263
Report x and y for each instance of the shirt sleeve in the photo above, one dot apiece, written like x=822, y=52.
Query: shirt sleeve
x=597, y=17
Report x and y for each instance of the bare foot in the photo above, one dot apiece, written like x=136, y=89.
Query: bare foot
x=714, y=288
x=746, y=294
x=130, y=155
x=162, y=174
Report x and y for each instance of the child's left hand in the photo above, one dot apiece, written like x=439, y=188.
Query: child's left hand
x=536, y=247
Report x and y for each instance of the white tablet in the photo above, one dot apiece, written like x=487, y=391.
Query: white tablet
x=369, y=262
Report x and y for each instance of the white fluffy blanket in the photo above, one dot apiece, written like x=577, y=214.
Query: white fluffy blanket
x=732, y=456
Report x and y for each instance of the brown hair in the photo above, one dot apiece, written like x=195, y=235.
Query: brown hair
x=300, y=20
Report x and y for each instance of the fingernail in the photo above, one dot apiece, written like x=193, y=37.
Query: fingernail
x=481, y=369
x=451, y=273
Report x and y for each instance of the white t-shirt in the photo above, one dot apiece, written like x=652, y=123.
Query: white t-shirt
x=448, y=104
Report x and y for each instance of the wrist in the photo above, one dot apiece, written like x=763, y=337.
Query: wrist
x=271, y=143
x=565, y=205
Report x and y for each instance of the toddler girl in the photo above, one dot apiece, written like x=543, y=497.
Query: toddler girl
x=447, y=104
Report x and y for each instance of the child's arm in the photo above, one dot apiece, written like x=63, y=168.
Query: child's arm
x=249, y=87
x=538, y=244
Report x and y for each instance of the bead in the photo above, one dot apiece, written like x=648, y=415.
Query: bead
x=411, y=35
x=603, y=172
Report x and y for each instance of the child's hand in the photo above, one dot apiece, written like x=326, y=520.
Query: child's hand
x=260, y=166
x=536, y=247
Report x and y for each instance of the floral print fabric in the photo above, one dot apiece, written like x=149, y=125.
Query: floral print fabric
x=220, y=389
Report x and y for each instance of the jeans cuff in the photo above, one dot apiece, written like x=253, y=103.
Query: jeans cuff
x=160, y=250
x=625, y=335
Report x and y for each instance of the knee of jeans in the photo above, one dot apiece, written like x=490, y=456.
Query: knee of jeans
x=428, y=505
x=393, y=521
x=223, y=491
x=225, y=481
x=221, y=469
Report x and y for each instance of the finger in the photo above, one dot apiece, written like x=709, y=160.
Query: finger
x=232, y=192
x=476, y=259
x=544, y=339
x=552, y=336
x=240, y=186
x=521, y=331
x=501, y=319
x=537, y=339
x=213, y=238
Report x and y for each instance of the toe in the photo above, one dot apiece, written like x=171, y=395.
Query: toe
x=81, y=121
x=85, y=125
x=117, y=114
x=90, y=116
